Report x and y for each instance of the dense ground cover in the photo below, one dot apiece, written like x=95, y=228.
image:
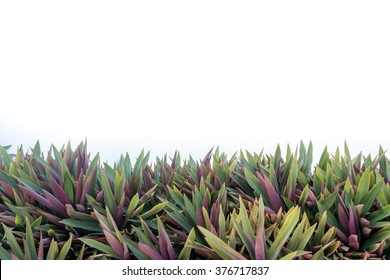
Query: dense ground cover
x=69, y=205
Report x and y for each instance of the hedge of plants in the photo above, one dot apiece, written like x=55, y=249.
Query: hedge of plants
x=69, y=205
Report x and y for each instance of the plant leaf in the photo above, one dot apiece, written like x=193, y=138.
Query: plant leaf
x=290, y=222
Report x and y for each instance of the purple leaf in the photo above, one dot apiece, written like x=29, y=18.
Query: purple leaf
x=180, y=234
x=170, y=179
x=163, y=247
x=341, y=235
x=353, y=242
x=85, y=161
x=8, y=220
x=198, y=173
x=151, y=235
x=260, y=243
x=119, y=210
x=8, y=189
x=217, y=181
x=199, y=217
x=100, y=196
x=46, y=241
x=87, y=186
x=273, y=196
x=364, y=222
x=166, y=248
x=29, y=192
x=207, y=158
x=54, y=219
x=205, y=202
x=79, y=163
x=311, y=196
x=148, y=179
x=352, y=225
x=56, y=206
x=213, y=231
x=151, y=253
x=251, y=241
x=268, y=210
x=115, y=244
x=102, y=220
x=126, y=254
x=81, y=208
x=207, y=253
x=209, y=186
x=40, y=248
x=343, y=218
x=245, y=196
x=173, y=164
x=79, y=188
x=59, y=192
x=214, y=213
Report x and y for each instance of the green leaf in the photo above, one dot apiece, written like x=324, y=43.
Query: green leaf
x=133, y=204
x=68, y=181
x=329, y=177
x=381, y=235
x=98, y=245
x=304, y=195
x=255, y=185
x=379, y=214
x=245, y=230
x=86, y=225
x=13, y=243
x=109, y=199
x=324, y=159
x=157, y=208
x=328, y=236
x=4, y=255
x=30, y=185
x=289, y=224
x=220, y=247
x=36, y=223
x=363, y=187
x=371, y=196
x=222, y=224
x=330, y=217
x=294, y=241
x=30, y=241
x=292, y=180
x=246, y=224
x=6, y=157
x=177, y=196
x=293, y=255
x=133, y=246
x=309, y=160
x=319, y=255
x=53, y=250
x=81, y=253
x=306, y=236
x=185, y=253
x=37, y=148
x=119, y=185
x=245, y=239
x=94, y=163
x=329, y=201
x=190, y=209
x=181, y=220
x=65, y=249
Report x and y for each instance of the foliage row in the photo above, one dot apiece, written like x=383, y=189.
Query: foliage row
x=68, y=205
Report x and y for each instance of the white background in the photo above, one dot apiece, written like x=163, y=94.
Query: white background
x=190, y=75
x=303, y=270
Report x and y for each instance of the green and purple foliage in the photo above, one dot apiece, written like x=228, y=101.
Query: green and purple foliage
x=69, y=205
